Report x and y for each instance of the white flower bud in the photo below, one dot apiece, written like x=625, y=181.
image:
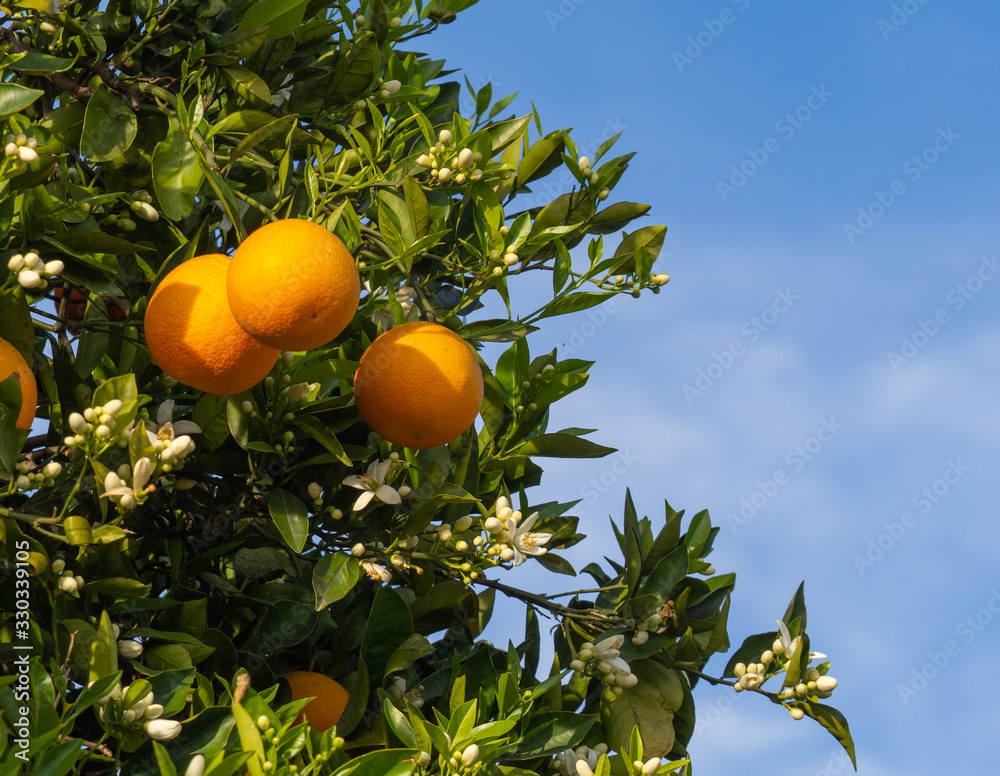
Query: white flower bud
x=583, y=768
x=577, y=665
x=626, y=680
x=463, y=523
x=146, y=211
x=15, y=263
x=163, y=729
x=603, y=194
x=506, y=554
x=777, y=647
x=153, y=711
x=68, y=584
x=585, y=164
x=826, y=684
x=196, y=767
x=129, y=649
x=767, y=657
x=444, y=136
x=640, y=638
x=358, y=550
x=54, y=267
x=113, y=407
x=77, y=422
x=444, y=175
x=652, y=766
x=315, y=490
x=58, y=566
x=594, y=177
x=801, y=689
x=465, y=157
x=28, y=278
x=424, y=160
x=23, y=482
x=391, y=86
x=11, y=149
x=404, y=491
x=27, y=155
x=586, y=653
x=796, y=713
x=511, y=259
x=470, y=754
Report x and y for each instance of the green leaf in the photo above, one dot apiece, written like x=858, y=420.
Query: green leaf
x=250, y=740
x=562, y=267
x=552, y=733
x=14, y=98
x=415, y=647
x=163, y=761
x=389, y=626
x=667, y=573
x=650, y=706
x=123, y=388
x=750, y=650
x=119, y=587
x=57, y=760
x=82, y=241
x=355, y=69
x=35, y=63
x=109, y=127
x=275, y=129
x=91, y=695
x=503, y=133
x=833, y=721
x=282, y=16
x=177, y=175
x=291, y=517
x=540, y=159
x=314, y=428
x=239, y=421
x=649, y=237
x=573, y=303
x=617, y=216
x=103, y=650
x=563, y=446
x=334, y=576
x=797, y=609
x=248, y=84
x=496, y=330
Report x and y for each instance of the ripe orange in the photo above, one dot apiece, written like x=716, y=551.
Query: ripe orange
x=76, y=307
x=419, y=385
x=193, y=336
x=293, y=285
x=13, y=363
x=329, y=698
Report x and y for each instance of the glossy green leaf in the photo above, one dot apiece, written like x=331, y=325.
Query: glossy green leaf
x=573, y=303
x=290, y=516
x=36, y=63
x=282, y=17
x=94, y=242
x=14, y=98
x=667, y=573
x=334, y=576
x=109, y=127
x=563, y=446
x=834, y=722
x=248, y=84
x=650, y=706
x=540, y=159
x=177, y=175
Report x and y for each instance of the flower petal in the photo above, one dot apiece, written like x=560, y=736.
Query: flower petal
x=388, y=495
x=784, y=635
x=186, y=427
x=165, y=413
x=381, y=470
x=526, y=525
x=363, y=500
x=354, y=481
x=140, y=475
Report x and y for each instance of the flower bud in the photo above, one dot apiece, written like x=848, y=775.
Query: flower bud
x=444, y=175
x=11, y=149
x=196, y=767
x=583, y=768
x=68, y=584
x=767, y=657
x=585, y=164
x=652, y=766
x=493, y=525
x=27, y=155
x=113, y=407
x=391, y=86
x=470, y=754
x=153, y=711
x=777, y=647
x=826, y=684
x=54, y=267
x=603, y=194
x=796, y=713
x=129, y=649
x=640, y=638
x=463, y=523
x=145, y=211
x=626, y=680
x=28, y=278
x=424, y=160
x=163, y=729
x=315, y=490
x=444, y=136
x=465, y=157
x=58, y=566
x=358, y=550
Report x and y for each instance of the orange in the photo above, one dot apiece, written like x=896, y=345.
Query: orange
x=293, y=285
x=329, y=698
x=193, y=336
x=419, y=385
x=13, y=363
x=76, y=307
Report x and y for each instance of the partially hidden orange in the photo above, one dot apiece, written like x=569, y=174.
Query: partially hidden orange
x=293, y=285
x=329, y=698
x=13, y=363
x=419, y=385
x=193, y=336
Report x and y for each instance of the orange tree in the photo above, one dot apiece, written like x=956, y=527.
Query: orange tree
x=169, y=555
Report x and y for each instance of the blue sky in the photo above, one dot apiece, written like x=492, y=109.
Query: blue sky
x=836, y=302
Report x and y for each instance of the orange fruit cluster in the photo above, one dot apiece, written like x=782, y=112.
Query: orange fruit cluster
x=218, y=325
